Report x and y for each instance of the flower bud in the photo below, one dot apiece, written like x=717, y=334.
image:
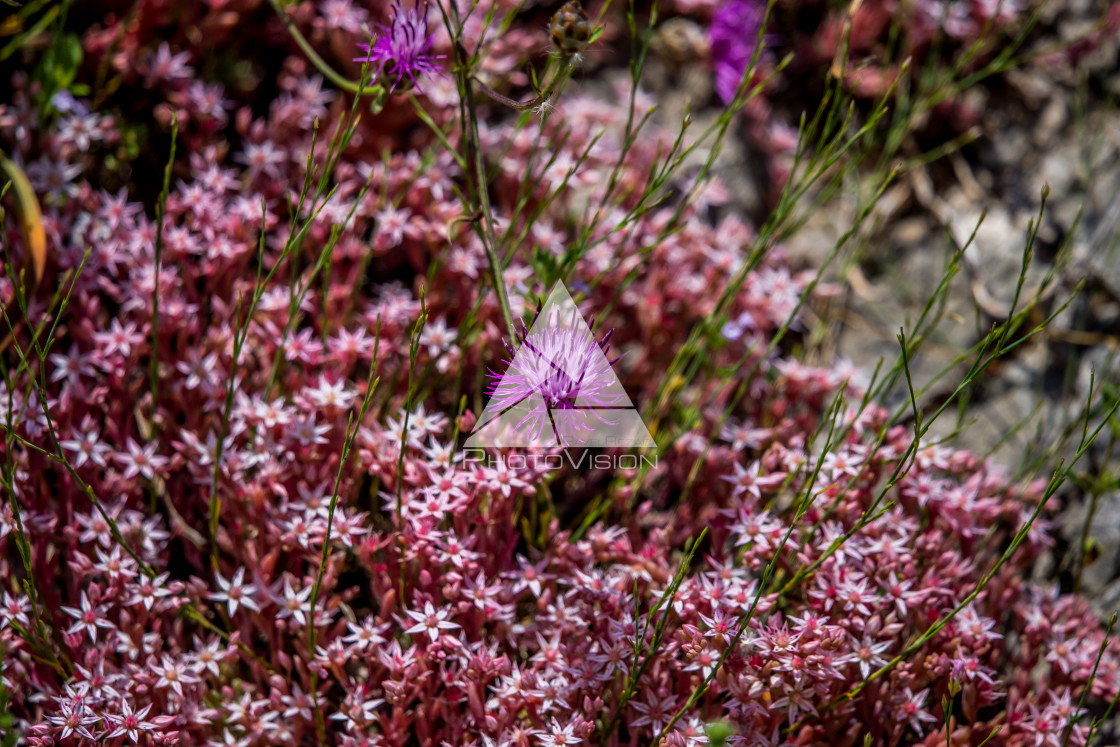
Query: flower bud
x=570, y=29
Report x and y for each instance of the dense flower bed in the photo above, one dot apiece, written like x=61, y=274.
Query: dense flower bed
x=436, y=603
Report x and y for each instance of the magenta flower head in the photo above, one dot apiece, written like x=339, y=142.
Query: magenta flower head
x=733, y=34
x=559, y=388
x=404, y=47
x=561, y=382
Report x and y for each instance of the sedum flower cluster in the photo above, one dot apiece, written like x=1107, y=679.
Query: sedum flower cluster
x=220, y=529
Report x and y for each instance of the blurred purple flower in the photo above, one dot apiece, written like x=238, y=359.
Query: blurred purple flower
x=734, y=33
x=404, y=47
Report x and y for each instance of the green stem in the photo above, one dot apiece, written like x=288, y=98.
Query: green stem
x=330, y=73
x=542, y=97
x=470, y=123
x=161, y=211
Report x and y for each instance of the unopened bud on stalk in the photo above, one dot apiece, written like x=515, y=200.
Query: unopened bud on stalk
x=570, y=29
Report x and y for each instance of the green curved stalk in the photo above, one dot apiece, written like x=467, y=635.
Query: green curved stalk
x=542, y=98
x=329, y=72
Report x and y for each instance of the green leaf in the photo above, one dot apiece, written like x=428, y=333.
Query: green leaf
x=58, y=67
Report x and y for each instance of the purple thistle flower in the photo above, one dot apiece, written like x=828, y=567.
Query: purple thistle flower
x=734, y=33
x=404, y=47
x=562, y=382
